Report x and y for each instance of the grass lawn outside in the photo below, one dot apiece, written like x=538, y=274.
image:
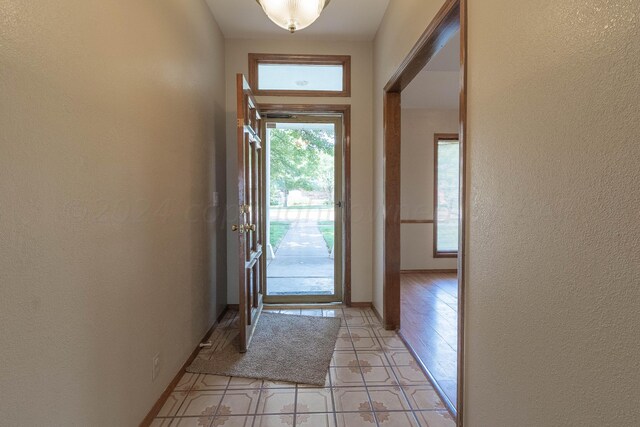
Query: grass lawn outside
x=327, y=229
x=277, y=231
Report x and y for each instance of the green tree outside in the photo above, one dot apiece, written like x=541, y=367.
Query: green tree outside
x=302, y=159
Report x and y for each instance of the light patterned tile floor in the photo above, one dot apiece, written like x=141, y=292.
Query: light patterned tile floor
x=373, y=381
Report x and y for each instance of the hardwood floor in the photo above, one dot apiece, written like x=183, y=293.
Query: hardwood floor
x=429, y=323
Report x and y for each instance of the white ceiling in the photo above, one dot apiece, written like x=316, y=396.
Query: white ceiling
x=341, y=20
x=437, y=86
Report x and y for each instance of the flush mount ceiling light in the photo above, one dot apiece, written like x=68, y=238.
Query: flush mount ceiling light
x=293, y=15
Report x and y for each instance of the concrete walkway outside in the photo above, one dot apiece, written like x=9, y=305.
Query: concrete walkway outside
x=301, y=215
x=302, y=263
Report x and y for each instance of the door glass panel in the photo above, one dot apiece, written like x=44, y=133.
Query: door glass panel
x=248, y=179
x=301, y=173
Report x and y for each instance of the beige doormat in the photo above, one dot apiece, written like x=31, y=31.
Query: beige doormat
x=289, y=348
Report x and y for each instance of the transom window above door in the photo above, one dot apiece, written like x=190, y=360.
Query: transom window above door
x=300, y=75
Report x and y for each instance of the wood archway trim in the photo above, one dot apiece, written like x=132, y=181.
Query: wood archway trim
x=451, y=17
x=345, y=110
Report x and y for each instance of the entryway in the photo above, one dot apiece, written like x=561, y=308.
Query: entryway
x=304, y=193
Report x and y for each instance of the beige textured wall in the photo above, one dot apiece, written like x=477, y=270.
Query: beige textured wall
x=402, y=25
x=418, y=129
x=112, y=119
x=554, y=232
x=361, y=147
x=554, y=243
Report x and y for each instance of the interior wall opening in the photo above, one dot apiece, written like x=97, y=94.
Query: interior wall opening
x=428, y=55
x=430, y=214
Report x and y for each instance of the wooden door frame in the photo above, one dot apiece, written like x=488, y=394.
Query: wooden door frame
x=345, y=111
x=451, y=17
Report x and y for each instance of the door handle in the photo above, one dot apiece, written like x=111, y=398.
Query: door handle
x=339, y=204
x=251, y=227
x=241, y=228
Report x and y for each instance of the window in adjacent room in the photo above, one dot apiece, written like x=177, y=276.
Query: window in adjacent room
x=447, y=195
